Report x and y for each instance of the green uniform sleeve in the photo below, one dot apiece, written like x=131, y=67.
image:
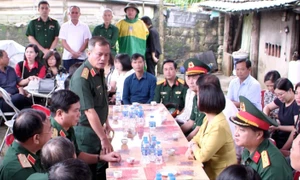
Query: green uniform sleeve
x=157, y=97
x=96, y=31
x=22, y=174
x=57, y=27
x=82, y=88
x=114, y=37
x=30, y=29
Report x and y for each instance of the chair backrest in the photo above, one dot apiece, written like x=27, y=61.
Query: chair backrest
x=7, y=99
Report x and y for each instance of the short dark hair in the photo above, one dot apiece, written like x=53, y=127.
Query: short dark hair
x=124, y=59
x=43, y=2
x=101, y=41
x=111, y=60
x=239, y=172
x=28, y=123
x=211, y=99
x=135, y=56
x=272, y=76
x=209, y=79
x=62, y=99
x=36, y=50
x=248, y=62
x=70, y=169
x=1, y=53
x=56, y=150
x=266, y=134
x=170, y=61
x=74, y=67
x=56, y=56
x=147, y=20
x=284, y=84
x=71, y=7
x=67, y=82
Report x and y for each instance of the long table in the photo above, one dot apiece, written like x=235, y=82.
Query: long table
x=177, y=163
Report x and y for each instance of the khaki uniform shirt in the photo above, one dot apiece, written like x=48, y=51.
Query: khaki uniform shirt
x=90, y=86
x=19, y=163
x=171, y=95
x=268, y=162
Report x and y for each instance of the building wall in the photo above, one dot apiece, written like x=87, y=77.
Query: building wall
x=272, y=30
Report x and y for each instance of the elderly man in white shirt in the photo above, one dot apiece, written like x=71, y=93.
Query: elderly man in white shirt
x=75, y=36
x=244, y=85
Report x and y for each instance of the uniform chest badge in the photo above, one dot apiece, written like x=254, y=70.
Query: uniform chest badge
x=62, y=134
x=163, y=93
x=178, y=92
x=51, y=27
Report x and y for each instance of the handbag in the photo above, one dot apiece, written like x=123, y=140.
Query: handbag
x=46, y=86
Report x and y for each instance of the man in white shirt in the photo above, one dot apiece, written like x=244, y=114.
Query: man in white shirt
x=75, y=36
x=244, y=85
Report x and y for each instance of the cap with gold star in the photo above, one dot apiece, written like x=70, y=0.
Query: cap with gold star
x=194, y=66
x=249, y=115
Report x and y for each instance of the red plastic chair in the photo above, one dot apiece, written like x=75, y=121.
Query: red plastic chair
x=41, y=108
x=262, y=94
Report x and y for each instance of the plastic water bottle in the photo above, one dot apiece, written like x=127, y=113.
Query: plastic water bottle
x=171, y=176
x=152, y=149
x=152, y=126
x=158, y=153
x=145, y=150
x=118, y=102
x=158, y=176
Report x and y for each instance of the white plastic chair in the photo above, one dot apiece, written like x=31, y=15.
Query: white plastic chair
x=8, y=123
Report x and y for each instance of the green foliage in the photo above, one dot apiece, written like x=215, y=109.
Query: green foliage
x=183, y=3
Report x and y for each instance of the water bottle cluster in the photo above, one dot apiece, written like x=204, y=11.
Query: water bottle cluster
x=151, y=151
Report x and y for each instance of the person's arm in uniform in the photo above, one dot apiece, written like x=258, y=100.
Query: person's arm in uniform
x=126, y=91
x=157, y=96
x=152, y=90
x=114, y=37
x=187, y=126
x=55, y=41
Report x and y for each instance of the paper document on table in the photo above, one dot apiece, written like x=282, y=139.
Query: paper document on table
x=32, y=85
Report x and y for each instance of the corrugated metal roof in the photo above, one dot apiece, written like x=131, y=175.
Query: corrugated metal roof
x=235, y=6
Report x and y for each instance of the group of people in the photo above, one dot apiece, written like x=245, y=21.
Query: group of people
x=222, y=131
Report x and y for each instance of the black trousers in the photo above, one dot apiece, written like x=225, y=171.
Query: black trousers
x=150, y=64
x=18, y=100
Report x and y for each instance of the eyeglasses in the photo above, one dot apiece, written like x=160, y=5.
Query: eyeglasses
x=280, y=94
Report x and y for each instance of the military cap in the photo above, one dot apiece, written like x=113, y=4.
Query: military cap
x=194, y=66
x=249, y=115
x=132, y=5
x=41, y=108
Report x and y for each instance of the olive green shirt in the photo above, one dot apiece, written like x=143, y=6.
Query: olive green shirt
x=92, y=91
x=43, y=32
x=111, y=34
x=272, y=165
x=14, y=169
x=38, y=176
x=196, y=115
x=166, y=94
x=58, y=130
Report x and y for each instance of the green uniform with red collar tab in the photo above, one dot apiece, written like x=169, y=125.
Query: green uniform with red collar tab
x=91, y=88
x=19, y=163
x=166, y=94
x=268, y=162
x=43, y=32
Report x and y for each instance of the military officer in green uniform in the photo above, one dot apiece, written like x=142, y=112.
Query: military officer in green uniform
x=88, y=82
x=43, y=31
x=22, y=157
x=107, y=30
x=252, y=133
x=193, y=70
x=170, y=91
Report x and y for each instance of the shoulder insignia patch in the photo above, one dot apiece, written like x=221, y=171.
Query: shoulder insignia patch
x=160, y=82
x=180, y=80
x=61, y=133
x=256, y=157
x=265, y=159
x=85, y=73
x=24, y=161
x=54, y=133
